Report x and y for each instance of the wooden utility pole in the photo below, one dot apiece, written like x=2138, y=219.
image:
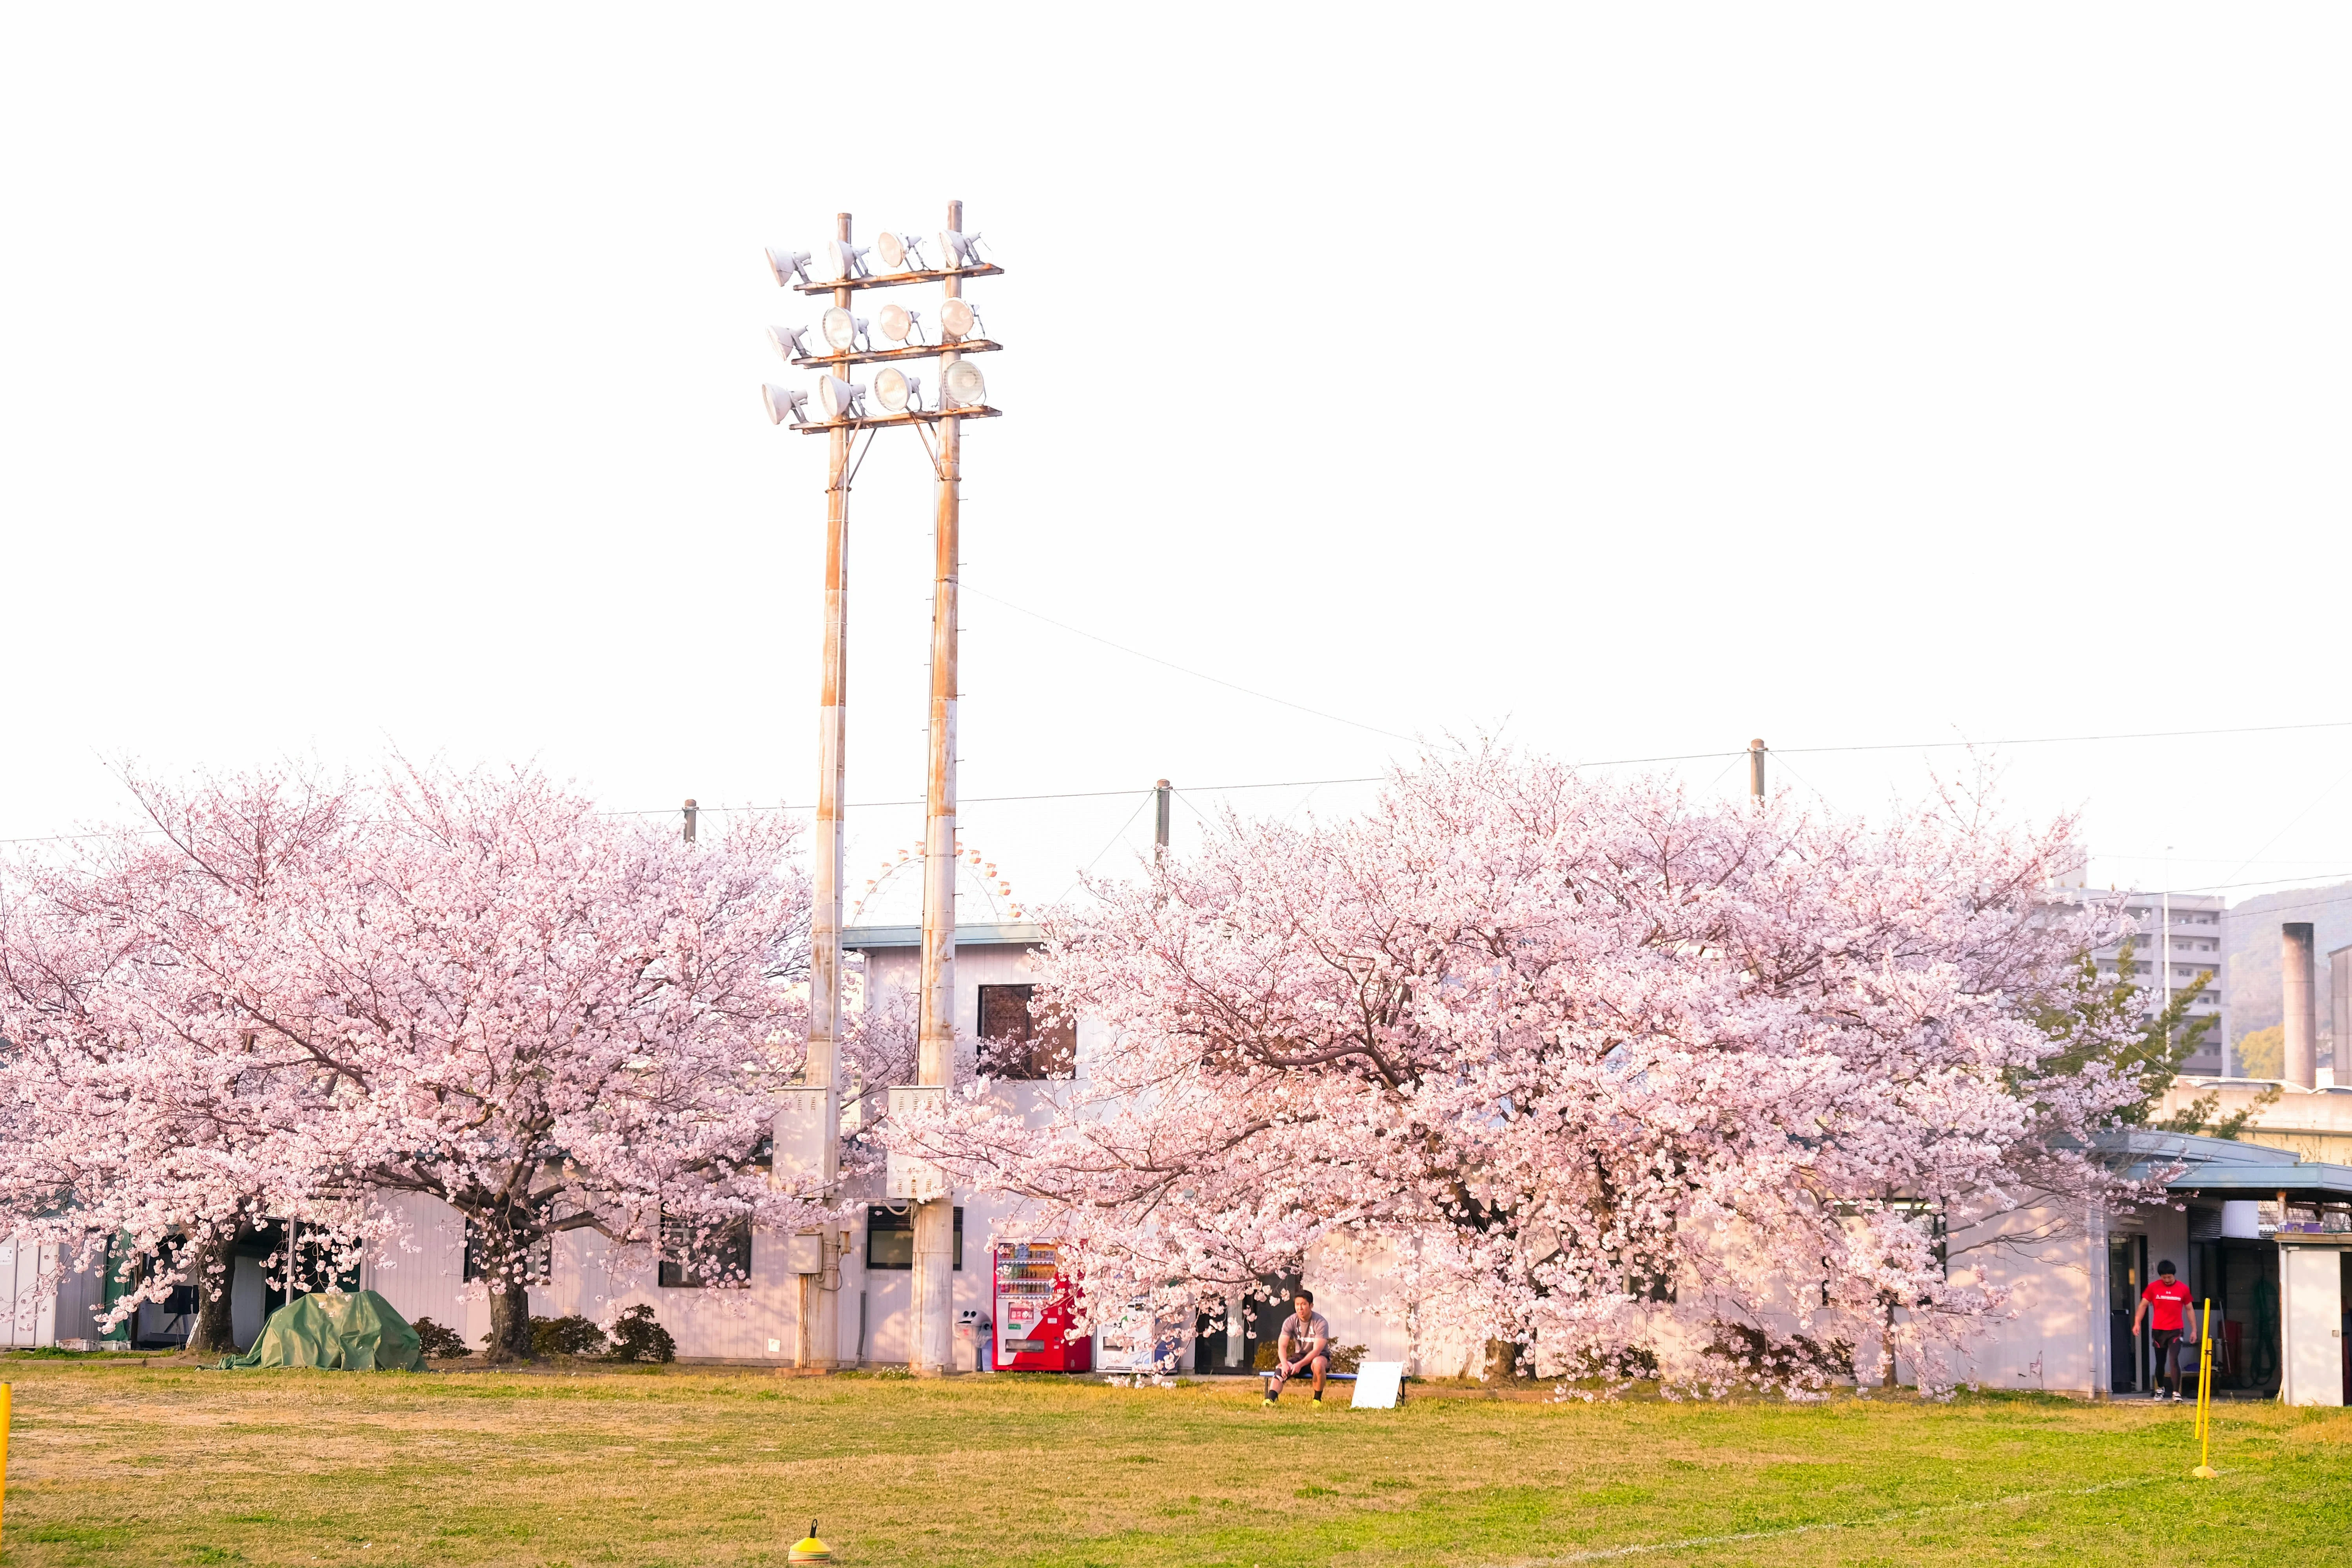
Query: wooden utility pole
x=689, y=819
x=824, y=1333
x=934, y=1282
x=1756, y=771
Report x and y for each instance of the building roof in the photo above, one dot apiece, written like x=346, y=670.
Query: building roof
x=2300, y=1179
x=2226, y=1168
x=1008, y=933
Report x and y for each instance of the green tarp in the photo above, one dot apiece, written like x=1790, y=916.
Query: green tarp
x=355, y=1332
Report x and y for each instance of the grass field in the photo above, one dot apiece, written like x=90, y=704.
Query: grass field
x=118, y=1462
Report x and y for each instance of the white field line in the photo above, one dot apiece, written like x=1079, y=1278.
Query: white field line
x=1898, y=1517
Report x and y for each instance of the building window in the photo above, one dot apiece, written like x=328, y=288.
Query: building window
x=539, y=1263
x=723, y=1261
x=1014, y=1045
x=890, y=1237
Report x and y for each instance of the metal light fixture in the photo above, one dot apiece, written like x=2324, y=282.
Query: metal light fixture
x=849, y=260
x=899, y=322
x=784, y=404
x=789, y=266
x=959, y=249
x=962, y=386
x=899, y=252
x=843, y=330
x=789, y=341
x=897, y=391
x=840, y=399
x=957, y=318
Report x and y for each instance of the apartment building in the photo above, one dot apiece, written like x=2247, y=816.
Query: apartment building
x=2176, y=948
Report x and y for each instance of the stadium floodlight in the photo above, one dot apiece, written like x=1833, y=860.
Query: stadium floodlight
x=962, y=386
x=957, y=318
x=840, y=399
x=897, y=391
x=899, y=323
x=789, y=266
x=959, y=249
x=849, y=260
x=784, y=402
x=790, y=341
x=843, y=330
x=899, y=252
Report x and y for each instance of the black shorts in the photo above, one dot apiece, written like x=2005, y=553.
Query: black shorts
x=2168, y=1351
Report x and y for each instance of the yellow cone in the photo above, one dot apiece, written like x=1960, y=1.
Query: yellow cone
x=810, y=1550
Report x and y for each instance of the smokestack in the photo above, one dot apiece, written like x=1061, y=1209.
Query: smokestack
x=2302, y=1021
x=2340, y=1011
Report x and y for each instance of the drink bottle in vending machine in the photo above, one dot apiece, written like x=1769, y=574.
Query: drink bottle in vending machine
x=1035, y=1307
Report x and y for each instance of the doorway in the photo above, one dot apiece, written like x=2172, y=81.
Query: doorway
x=2246, y=1317
x=2127, y=1271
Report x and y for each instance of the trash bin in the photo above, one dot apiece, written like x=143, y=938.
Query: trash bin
x=971, y=1342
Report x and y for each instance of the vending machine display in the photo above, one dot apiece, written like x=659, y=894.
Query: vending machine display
x=1035, y=1307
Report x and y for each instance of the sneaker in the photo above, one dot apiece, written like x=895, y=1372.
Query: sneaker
x=1269, y=1402
x=2176, y=1396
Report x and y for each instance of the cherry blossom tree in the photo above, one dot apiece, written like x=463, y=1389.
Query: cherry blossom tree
x=1627, y=1079
x=135, y=1099
x=471, y=987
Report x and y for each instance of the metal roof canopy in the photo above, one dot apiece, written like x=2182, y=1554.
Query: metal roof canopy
x=2226, y=1168
x=2333, y=1183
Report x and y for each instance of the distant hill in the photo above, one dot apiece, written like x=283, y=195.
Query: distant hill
x=2250, y=940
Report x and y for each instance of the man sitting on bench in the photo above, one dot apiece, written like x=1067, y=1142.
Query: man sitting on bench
x=1304, y=1346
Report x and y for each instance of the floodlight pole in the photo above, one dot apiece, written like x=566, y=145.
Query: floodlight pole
x=934, y=1282
x=822, y=1332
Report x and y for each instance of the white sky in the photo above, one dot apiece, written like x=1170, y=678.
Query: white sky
x=1628, y=380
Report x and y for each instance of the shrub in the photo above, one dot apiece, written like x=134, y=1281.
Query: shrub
x=1344, y=1358
x=1755, y=1356
x=439, y=1341
x=636, y=1337
x=573, y=1336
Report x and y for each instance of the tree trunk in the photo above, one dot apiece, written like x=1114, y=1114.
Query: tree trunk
x=212, y=1271
x=509, y=1325
x=1503, y=1361
x=1887, y=1380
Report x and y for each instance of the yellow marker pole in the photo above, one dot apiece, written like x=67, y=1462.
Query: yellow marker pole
x=6, y=1391
x=2205, y=1470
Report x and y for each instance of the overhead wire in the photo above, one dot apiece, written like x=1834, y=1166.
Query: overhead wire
x=1186, y=670
x=1107, y=847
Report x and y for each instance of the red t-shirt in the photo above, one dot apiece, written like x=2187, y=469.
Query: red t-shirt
x=2165, y=1300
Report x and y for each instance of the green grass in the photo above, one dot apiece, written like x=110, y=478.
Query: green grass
x=117, y=1462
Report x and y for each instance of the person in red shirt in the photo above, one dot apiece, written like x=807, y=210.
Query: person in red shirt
x=2164, y=1307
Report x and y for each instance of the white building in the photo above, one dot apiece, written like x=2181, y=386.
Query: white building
x=2268, y=1235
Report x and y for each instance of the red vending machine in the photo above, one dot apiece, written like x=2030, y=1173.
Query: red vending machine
x=1035, y=1305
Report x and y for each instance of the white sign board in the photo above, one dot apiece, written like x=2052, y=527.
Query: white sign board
x=904, y=1177
x=1379, y=1385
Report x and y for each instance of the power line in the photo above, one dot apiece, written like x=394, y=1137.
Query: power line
x=1183, y=669
x=1377, y=778
x=2069, y=740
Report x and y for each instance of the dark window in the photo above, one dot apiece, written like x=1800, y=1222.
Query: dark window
x=1014, y=1044
x=890, y=1237
x=721, y=1261
x=539, y=1262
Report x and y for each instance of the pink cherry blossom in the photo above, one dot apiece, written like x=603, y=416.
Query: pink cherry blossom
x=1601, y=1069
x=302, y=999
